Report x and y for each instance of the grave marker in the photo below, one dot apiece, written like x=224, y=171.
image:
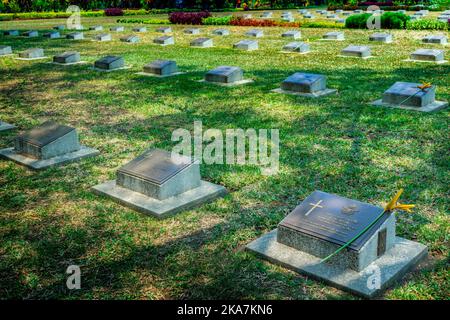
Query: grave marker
x=295, y=34
x=68, y=57
x=221, y=32
x=437, y=39
x=226, y=75
x=5, y=50
x=248, y=45
x=192, y=31
x=409, y=95
x=161, y=68
x=300, y=47
x=96, y=28
x=140, y=29
x=130, y=39
x=117, y=29
x=33, y=53
x=156, y=184
x=322, y=224
x=164, y=30
x=432, y=55
x=47, y=145
x=30, y=34
x=75, y=36
x=255, y=33
x=305, y=84
x=164, y=41
x=52, y=35
x=381, y=37
x=11, y=32
x=102, y=37
x=110, y=63
x=202, y=43
x=356, y=51
x=334, y=36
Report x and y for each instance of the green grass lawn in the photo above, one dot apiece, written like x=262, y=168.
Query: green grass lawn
x=339, y=144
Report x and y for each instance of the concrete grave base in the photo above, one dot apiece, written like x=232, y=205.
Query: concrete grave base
x=395, y=263
x=6, y=126
x=331, y=39
x=67, y=64
x=104, y=70
x=317, y=94
x=231, y=84
x=37, y=164
x=352, y=57
x=436, y=105
x=30, y=59
x=420, y=61
x=157, y=75
x=161, y=209
x=294, y=53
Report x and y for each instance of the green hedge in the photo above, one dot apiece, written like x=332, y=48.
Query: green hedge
x=55, y=15
x=217, y=20
x=389, y=20
x=427, y=24
x=144, y=21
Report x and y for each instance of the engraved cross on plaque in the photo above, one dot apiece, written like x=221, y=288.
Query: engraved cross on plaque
x=314, y=205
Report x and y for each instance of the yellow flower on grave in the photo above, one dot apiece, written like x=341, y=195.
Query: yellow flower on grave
x=394, y=204
x=424, y=85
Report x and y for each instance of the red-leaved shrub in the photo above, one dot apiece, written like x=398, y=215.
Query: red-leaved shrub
x=188, y=17
x=113, y=12
x=239, y=21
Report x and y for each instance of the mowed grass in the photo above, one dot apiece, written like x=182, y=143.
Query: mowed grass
x=339, y=144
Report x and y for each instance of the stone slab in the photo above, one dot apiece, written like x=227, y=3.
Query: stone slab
x=96, y=28
x=202, y=43
x=5, y=50
x=221, y=32
x=334, y=36
x=161, y=67
x=164, y=30
x=165, y=208
x=164, y=40
x=35, y=164
x=225, y=74
x=192, y=31
x=247, y=45
x=68, y=57
x=157, y=75
x=434, y=106
x=255, y=33
x=102, y=37
x=52, y=35
x=393, y=265
x=139, y=29
x=316, y=94
x=11, y=32
x=6, y=126
x=292, y=34
x=117, y=29
x=436, y=39
x=75, y=36
x=428, y=55
x=232, y=84
x=381, y=37
x=130, y=39
x=30, y=34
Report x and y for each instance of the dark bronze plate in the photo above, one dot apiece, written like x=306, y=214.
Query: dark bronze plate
x=155, y=166
x=44, y=134
x=335, y=219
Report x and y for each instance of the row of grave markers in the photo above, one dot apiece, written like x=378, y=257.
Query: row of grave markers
x=155, y=184
x=302, y=84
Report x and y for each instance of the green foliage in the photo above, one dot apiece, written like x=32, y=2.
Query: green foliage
x=357, y=21
x=322, y=24
x=217, y=20
x=389, y=20
x=144, y=21
x=427, y=24
x=394, y=20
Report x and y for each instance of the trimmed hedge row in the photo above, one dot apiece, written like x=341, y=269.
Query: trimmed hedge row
x=144, y=21
x=389, y=20
x=56, y=15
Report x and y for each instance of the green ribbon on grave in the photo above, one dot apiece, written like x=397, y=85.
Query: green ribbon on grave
x=391, y=206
